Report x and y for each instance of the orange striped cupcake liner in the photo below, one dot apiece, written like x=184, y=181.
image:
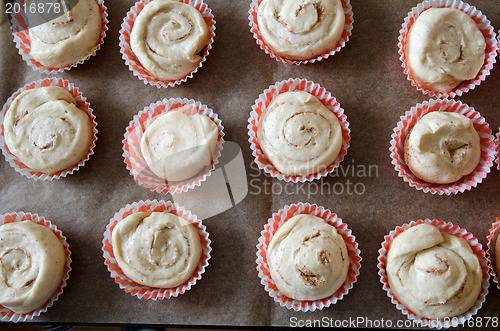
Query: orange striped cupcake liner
x=484, y=26
x=23, y=43
x=81, y=102
x=497, y=149
x=407, y=122
x=263, y=102
x=492, y=241
x=278, y=219
x=135, y=65
x=7, y=314
x=445, y=228
x=134, y=160
x=254, y=29
x=147, y=292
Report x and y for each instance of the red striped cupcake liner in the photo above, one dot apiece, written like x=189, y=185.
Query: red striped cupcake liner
x=497, y=149
x=81, y=102
x=407, y=122
x=492, y=240
x=23, y=43
x=263, y=102
x=278, y=219
x=7, y=314
x=147, y=292
x=135, y=65
x=484, y=26
x=254, y=29
x=136, y=164
x=445, y=228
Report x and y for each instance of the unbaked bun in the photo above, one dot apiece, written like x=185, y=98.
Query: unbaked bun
x=156, y=249
x=442, y=147
x=298, y=134
x=46, y=130
x=68, y=39
x=177, y=146
x=301, y=29
x=435, y=275
x=307, y=258
x=167, y=37
x=32, y=261
x=444, y=48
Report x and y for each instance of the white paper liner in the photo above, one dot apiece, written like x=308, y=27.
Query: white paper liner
x=267, y=234
x=490, y=252
x=263, y=101
x=8, y=315
x=23, y=44
x=134, y=64
x=81, y=103
x=483, y=24
x=254, y=28
x=448, y=228
x=134, y=160
x=148, y=292
x=407, y=122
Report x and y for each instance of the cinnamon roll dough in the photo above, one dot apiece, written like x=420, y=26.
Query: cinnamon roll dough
x=156, y=249
x=444, y=48
x=68, y=39
x=298, y=134
x=46, y=130
x=435, y=275
x=307, y=258
x=442, y=147
x=301, y=29
x=177, y=146
x=167, y=37
x=32, y=261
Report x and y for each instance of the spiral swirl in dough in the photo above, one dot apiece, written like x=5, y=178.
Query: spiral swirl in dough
x=46, y=130
x=32, y=263
x=444, y=48
x=167, y=37
x=434, y=275
x=298, y=134
x=68, y=39
x=442, y=147
x=301, y=29
x=307, y=258
x=177, y=146
x=156, y=249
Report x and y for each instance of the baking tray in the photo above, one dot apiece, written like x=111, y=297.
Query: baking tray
x=366, y=78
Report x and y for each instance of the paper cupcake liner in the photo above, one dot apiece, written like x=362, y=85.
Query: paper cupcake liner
x=263, y=102
x=81, y=102
x=484, y=26
x=254, y=29
x=267, y=234
x=8, y=315
x=147, y=292
x=447, y=228
x=23, y=43
x=134, y=64
x=497, y=149
x=407, y=122
x=136, y=164
x=490, y=252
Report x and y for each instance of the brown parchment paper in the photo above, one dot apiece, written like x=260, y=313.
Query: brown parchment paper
x=366, y=78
